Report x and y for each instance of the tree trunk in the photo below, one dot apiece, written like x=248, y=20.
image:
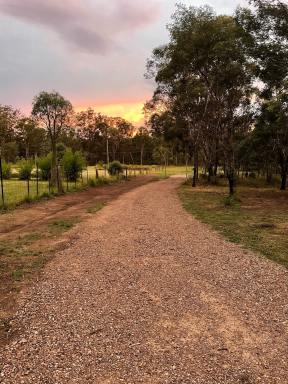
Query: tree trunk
x=107, y=151
x=231, y=181
x=283, y=181
x=59, y=180
x=284, y=169
x=210, y=173
x=195, y=171
x=268, y=175
x=53, y=175
x=142, y=152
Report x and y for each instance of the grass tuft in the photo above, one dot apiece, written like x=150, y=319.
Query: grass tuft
x=60, y=226
x=95, y=208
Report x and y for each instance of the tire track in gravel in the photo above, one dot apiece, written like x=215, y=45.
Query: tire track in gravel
x=147, y=294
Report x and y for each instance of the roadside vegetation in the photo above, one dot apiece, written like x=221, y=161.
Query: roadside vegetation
x=222, y=91
x=256, y=217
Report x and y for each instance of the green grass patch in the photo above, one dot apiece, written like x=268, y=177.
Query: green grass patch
x=18, y=274
x=256, y=218
x=60, y=226
x=96, y=207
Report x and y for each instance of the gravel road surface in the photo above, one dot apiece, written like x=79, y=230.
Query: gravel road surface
x=147, y=294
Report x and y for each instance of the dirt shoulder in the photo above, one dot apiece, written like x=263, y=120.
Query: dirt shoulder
x=31, y=234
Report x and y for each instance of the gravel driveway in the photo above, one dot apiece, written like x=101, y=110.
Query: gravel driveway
x=147, y=294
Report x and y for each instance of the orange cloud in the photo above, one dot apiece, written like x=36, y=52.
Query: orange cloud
x=131, y=111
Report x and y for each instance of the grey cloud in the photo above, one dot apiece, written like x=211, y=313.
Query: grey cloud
x=90, y=25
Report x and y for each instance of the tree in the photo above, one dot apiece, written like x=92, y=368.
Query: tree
x=142, y=140
x=265, y=35
x=53, y=111
x=32, y=139
x=204, y=80
x=273, y=121
x=8, y=121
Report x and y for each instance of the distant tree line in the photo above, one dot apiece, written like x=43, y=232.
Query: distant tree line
x=101, y=138
x=222, y=90
x=53, y=123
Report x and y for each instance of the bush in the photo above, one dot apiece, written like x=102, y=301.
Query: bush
x=115, y=168
x=98, y=182
x=73, y=164
x=6, y=170
x=44, y=164
x=92, y=183
x=25, y=169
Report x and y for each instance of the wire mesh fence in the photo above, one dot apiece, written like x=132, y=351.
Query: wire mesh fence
x=15, y=191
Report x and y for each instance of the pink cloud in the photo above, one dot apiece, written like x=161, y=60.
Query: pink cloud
x=89, y=25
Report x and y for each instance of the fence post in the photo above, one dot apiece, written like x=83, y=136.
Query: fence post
x=1, y=178
x=37, y=178
x=28, y=187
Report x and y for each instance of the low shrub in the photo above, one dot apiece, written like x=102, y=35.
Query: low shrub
x=44, y=164
x=92, y=183
x=73, y=164
x=6, y=170
x=25, y=169
x=115, y=168
x=98, y=182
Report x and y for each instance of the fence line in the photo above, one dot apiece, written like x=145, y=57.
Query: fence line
x=15, y=191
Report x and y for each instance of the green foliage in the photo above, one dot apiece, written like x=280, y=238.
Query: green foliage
x=61, y=149
x=202, y=70
x=6, y=170
x=99, y=182
x=115, y=168
x=44, y=164
x=92, y=183
x=73, y=164
x=25, y=169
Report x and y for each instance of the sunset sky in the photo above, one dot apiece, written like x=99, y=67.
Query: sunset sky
x=93, y=52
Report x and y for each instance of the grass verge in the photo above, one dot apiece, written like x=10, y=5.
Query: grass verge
x=256, y=218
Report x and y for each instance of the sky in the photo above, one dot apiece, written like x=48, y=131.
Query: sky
x=93, y=52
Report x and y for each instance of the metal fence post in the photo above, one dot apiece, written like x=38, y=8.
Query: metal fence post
x=1, y=178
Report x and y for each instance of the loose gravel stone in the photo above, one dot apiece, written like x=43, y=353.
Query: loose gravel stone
x=147, y=294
